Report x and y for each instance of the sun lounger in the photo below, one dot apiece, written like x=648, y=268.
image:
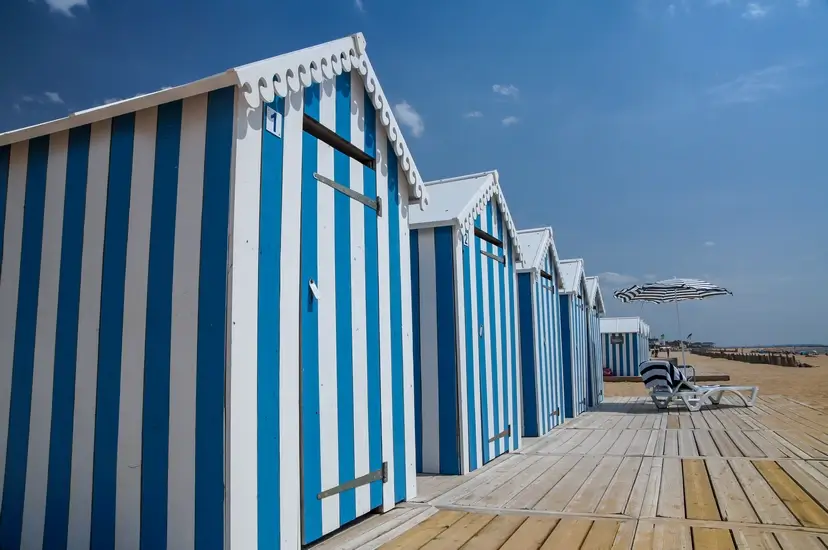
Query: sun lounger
x=667, y=383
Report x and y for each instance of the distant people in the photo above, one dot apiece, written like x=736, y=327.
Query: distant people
x=668, y=352
x=655, y=352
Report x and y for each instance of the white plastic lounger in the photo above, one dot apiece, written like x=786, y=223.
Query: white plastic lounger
x=668, y=383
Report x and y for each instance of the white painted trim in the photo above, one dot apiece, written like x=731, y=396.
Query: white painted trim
x=548, y=241
x=263, y=81
x=476, y=206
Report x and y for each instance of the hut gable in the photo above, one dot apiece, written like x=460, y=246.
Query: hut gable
x=594, y=296
x=262, y=81
x=458, y=201
x=572, y=273
x=535, y=244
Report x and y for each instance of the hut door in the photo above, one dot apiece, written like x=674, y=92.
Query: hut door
x=493, y=384
x=342, y=467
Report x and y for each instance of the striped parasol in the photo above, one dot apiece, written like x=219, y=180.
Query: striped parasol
x=670, y=290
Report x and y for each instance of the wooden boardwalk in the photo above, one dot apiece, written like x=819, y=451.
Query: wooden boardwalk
x=627, y=476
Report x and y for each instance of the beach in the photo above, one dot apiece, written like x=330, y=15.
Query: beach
x=796, y=383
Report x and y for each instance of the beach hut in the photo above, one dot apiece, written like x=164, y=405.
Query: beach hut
x=539, y=283
x=626, y=344
x=192, y=354
x=595, y=356
x=574, y=341
x=464, y=249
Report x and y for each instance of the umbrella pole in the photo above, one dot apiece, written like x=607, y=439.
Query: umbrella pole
x=681, y=340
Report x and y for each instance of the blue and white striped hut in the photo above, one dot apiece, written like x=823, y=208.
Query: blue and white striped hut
x=626, y=344
x=595, y=355
x=464, y=249
x=539, y=283
x=160, y=285
x=574, y=337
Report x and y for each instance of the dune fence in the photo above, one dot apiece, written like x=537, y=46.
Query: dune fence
x=782, y=359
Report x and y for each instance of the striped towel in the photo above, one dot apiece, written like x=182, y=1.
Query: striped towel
x=661, y=374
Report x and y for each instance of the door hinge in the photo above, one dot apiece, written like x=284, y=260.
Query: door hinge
x=505, y=433
x=374, y=204
x=380, y=474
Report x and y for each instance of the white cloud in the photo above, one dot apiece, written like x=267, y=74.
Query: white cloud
x=510, y=120
x=671, y=10
x=616, y=278
x=53, y=97
x=755, y=11
x=803, y=3
x=410, y=118
x=40, y=99
x=719, y=2
x=109, y=100
x=709, y=243
x=359, y=5
x=473, y=114
x=507, y=90
x=753, y=86
x=65, y=6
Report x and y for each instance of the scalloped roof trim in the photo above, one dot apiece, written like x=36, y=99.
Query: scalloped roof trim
x=277, y=76
x=547, y=236
x=262, y=81
x=572, y=281
x=594, y=292
x=477, y=205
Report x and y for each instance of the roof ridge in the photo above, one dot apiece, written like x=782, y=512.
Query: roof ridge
x=476, y=204
x=547, y=243
x=262, y=81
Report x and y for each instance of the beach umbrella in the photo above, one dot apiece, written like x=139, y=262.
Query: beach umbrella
x=671, y=290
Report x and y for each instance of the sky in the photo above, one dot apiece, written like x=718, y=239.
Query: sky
x=658, y=138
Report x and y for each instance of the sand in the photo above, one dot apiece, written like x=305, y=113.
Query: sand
x=771, y=379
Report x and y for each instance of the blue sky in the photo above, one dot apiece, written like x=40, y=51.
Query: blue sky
x=658, y=138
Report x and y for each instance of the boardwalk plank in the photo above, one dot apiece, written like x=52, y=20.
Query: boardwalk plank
x=496, y=533
x=425, y=532
x=671, y=498
x=712, y=539
x=569, y=533
x=767, y=504
x=698, y=493
x=459, y=533
x=733, y=503
x=601, y=536
x=591, y=492
x=531, y=534
x=615, y=499
x=808, y=512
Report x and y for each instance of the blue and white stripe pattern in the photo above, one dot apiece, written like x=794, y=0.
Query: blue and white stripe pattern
x=625, y=343
x=466, y=341
x=112, y=330
x=540, y=334
x=349, y=320
x=671, y=290
x=623, y=359
x=596, y=359
x=596, y=348
x=574, y=337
